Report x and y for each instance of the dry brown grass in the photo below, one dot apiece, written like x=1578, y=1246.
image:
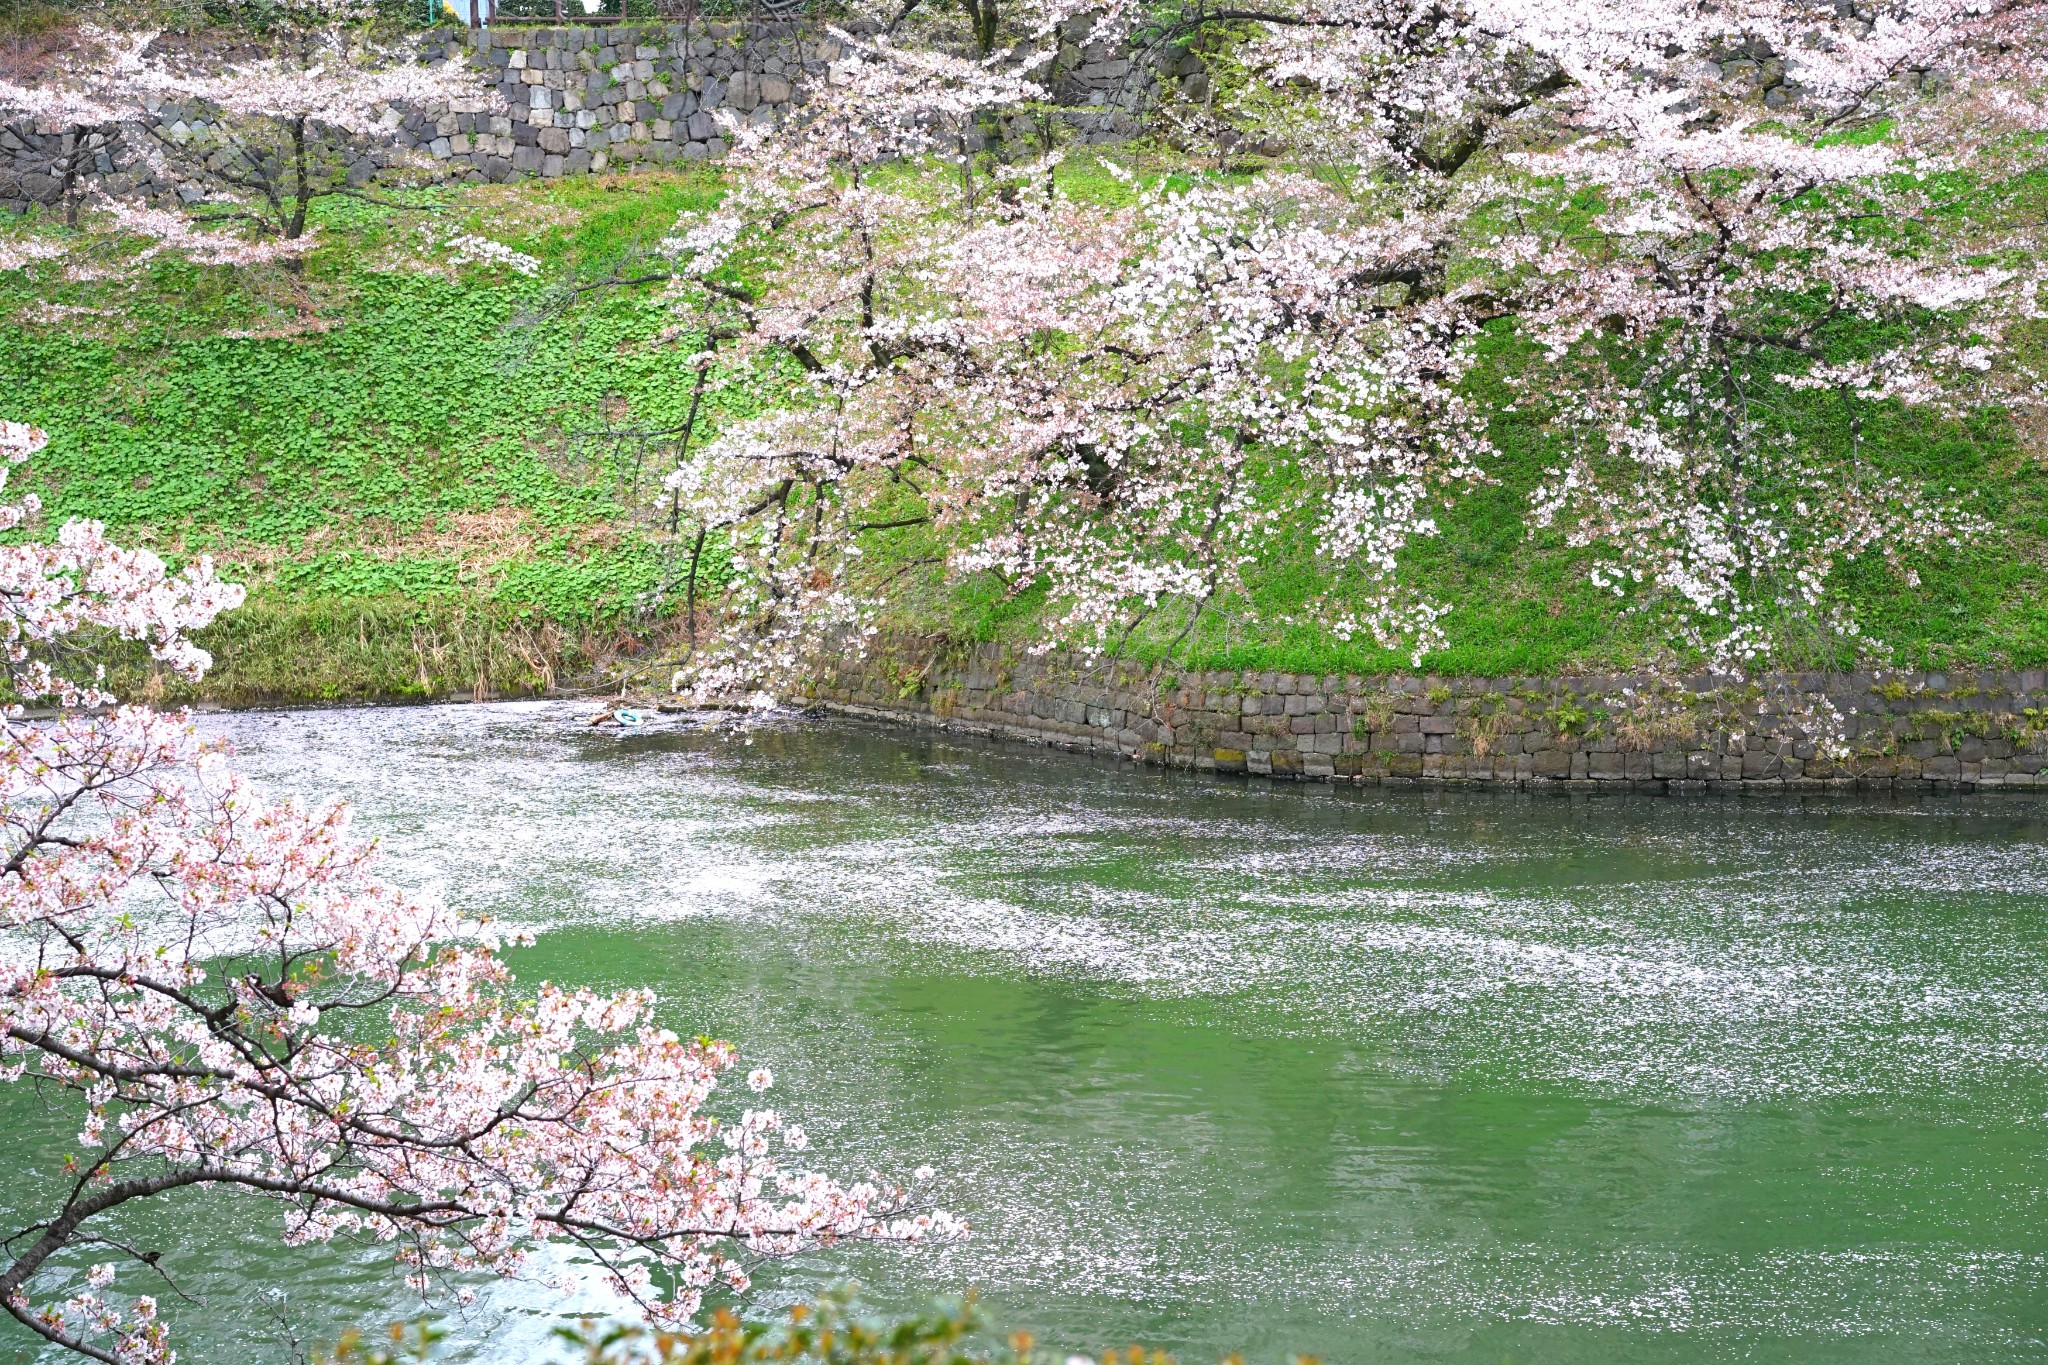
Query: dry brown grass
x=32, y=38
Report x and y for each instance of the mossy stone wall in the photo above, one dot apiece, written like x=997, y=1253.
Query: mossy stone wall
x=1908, y=731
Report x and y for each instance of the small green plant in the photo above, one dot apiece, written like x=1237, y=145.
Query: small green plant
x=1570, y=718
x=1439, y=694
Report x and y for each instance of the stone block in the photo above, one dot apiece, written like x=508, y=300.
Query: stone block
x=526, y=159
x=554, y=141
x=551, y=167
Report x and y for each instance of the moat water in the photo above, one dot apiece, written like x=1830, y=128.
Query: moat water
x=1216, y=1066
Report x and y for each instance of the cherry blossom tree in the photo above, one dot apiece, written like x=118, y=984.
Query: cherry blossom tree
x=266, y=136
x=844, y=309
x=1106, y=403
x=232, y=1001
x=1749, y=252
x=300, y=124
x=1267, y=356
x=1102, y=404
x=1097, y=401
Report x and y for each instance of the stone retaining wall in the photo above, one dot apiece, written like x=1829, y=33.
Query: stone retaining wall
x=1926, y=731
x=583, y=100
x=603, y=98
x=591, y=99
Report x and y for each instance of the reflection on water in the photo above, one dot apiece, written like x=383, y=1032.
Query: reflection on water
x=1381, y=1076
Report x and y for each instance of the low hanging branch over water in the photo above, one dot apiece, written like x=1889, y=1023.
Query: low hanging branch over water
x=228, y=998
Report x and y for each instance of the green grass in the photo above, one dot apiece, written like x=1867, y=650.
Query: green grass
x=433, y=486
x=365, y=445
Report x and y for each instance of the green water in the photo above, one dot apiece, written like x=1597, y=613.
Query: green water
x=1379, y=1076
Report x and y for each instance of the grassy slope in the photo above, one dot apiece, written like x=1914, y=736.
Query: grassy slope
x=425, y=499
x=417, y=494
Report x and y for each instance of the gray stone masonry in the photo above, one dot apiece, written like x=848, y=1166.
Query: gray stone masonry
x=651, y=94
x=585, y=100
x=1956, y=731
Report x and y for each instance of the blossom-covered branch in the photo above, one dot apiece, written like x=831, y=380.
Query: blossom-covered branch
x=233, y=1001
